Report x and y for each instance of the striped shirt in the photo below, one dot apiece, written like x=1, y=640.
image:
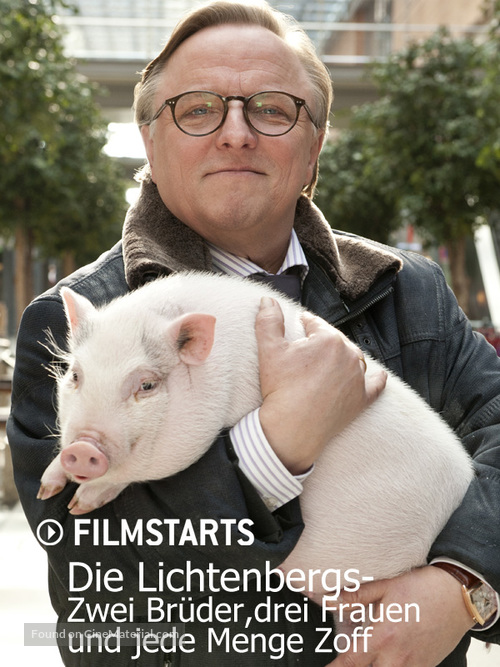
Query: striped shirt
x=272, y=480
x=226, y=262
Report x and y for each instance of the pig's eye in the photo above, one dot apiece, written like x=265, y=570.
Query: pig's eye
x=148, y=386
x=74, y=377
x=145, y=387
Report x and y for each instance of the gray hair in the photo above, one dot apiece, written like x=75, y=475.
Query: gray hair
x=223, y=12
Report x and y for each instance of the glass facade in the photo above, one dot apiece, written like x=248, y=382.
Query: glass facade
x=344, y=31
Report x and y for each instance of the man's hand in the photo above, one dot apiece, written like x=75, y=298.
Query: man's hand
x=312, y=387
x=443, y=622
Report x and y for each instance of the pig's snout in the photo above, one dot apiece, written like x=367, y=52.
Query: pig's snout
x=84, y=461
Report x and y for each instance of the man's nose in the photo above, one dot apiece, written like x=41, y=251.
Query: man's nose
x=235, y=131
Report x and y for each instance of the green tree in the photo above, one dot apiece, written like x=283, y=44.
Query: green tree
x=430, y=146
x=354, y=188
x=59, y=192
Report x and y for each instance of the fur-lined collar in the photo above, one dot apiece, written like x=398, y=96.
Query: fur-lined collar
x=155, y=242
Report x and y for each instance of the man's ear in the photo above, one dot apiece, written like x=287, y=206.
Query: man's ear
x=316, y=146
x=148, y=142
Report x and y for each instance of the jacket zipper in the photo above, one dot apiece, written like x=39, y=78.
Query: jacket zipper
x=352, y=314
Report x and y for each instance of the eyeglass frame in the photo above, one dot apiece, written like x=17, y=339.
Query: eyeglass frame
x=172, y=101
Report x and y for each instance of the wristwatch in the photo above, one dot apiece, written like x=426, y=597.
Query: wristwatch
x=480, y=599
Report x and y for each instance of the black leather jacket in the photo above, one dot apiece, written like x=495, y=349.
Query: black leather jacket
x=409, y=320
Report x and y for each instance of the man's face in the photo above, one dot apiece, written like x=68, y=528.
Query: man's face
x=235, y=187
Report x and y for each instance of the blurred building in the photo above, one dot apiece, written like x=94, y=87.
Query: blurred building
x=112, y=41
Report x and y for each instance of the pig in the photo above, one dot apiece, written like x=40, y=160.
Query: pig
x=154, y=376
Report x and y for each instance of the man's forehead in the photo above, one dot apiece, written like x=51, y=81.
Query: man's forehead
x=246, y=52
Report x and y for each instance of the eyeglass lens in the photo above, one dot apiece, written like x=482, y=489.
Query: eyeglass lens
x=271, y=113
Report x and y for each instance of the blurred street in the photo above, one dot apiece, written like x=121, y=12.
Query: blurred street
x=23, y=592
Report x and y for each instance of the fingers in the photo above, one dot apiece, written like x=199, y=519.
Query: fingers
x=312, y=387
x=369, y=592
x=314, y=324
x=270, y=323
x=437, y=622
x=363, y=362
x=375, y=385
x=270, y=330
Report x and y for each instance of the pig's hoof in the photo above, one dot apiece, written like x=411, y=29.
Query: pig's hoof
x=76, y=508
x=77, y=511
x=48, y=490
x=90, y=497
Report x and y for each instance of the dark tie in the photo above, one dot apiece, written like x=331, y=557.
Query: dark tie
x=286, y=283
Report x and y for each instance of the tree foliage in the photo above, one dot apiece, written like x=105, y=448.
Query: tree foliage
x=427, y=152
x=355, y=187
x=56, y=184
x=438, y=118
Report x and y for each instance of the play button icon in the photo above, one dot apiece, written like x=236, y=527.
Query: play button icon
x=49, y=532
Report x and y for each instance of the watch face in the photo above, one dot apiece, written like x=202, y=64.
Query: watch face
x=484, y=600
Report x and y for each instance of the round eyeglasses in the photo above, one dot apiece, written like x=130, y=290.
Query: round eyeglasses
x=201, y=112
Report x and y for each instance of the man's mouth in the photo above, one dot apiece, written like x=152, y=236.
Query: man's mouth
x=235, y=170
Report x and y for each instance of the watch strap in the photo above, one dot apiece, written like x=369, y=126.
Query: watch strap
x=469, y=582
x=466, y=578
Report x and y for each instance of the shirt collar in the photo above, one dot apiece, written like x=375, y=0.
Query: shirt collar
x=226, y=262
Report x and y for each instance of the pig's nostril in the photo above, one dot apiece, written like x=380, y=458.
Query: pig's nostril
x=84, y=461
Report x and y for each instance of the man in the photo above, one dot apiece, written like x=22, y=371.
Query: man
x=231, y=170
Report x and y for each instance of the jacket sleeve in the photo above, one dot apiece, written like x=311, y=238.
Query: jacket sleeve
x=211, y=488
x=464, y=371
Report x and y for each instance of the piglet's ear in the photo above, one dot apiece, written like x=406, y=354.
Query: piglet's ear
x=76, y=307
x=194, y=336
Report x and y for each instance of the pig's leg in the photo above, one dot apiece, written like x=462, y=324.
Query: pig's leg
x=54, y=479
x=91, y=495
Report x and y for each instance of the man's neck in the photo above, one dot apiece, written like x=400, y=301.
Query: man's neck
x=229, y=262
x=266, y=257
